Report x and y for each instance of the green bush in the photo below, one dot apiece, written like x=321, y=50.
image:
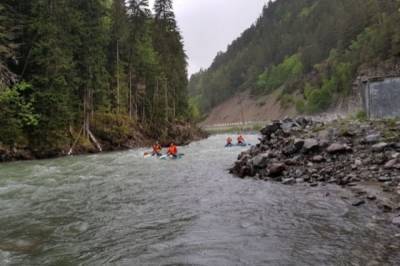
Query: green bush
x=286, y=101
x=15, y=114
x=194, y=108
x=116, y=129
x=361, y=115
x=276, y=76
x=301, y=106
x=318, y=100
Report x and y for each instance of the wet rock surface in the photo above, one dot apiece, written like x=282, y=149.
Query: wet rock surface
x=346, y=153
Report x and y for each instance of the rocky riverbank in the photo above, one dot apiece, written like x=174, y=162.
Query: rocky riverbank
x=362, y=156
x=120, y=137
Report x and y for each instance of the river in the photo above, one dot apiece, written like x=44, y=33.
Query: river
x=122, y=209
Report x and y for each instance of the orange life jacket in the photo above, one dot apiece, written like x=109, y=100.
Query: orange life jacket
x=157, y=148
x=172, y=150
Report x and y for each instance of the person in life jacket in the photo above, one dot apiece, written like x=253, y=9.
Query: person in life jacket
x=228, y=142
x=240, y=140
x=157, y=149
x=172, y=150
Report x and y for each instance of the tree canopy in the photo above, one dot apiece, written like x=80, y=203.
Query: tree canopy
x=83, y=60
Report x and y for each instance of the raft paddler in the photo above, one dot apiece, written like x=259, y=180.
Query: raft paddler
x=240, y=140
x=228, y=142
x=157, y=149
x=173, y=150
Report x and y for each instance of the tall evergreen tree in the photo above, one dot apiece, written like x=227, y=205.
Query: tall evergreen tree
x=168, y=44
x=48, y=65
x=7, y=44
x=91, y=59
x=117, y=51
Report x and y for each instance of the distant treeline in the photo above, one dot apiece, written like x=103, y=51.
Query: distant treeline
x=68, y=64
x=310, y=49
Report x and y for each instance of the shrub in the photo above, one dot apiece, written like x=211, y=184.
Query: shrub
x=301, y=106
x=276, y=76
x=361, y=115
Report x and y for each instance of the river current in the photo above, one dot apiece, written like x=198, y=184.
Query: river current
x=122, y=209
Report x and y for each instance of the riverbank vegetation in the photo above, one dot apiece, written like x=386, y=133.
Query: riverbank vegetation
x=73, y=72
x=310, y=49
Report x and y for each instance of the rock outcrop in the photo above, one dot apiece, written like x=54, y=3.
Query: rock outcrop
x=340, y=152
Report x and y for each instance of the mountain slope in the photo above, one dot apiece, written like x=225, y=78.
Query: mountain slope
x=311, y=50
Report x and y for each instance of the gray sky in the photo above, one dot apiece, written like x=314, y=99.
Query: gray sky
x=208, y=26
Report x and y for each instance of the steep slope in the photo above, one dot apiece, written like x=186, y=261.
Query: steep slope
x=308, y=50
x=244, y=107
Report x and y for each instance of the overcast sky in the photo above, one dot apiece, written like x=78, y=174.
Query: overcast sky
x=208, y=26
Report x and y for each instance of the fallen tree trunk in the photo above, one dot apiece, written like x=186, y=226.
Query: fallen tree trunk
x=93, y=139
x=75, y=142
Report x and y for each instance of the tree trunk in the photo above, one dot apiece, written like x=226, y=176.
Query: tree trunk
x=85, y=112
x=118, y=77
x=130, y=92
x=166, y=102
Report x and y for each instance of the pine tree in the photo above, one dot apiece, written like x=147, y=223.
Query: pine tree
x=91, y=60
x=48, y=65
x=7, y=45
x=118, y=49
x=140, y=55
x=168, y=44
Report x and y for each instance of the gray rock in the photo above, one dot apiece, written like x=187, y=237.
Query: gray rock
x=289, y=181
x=352, y=184
x=358, y=203
x=288, y=125
x=338, y=148
x=384, y=179
x=371, y=197
x=380, y=147
x=385, y=206
x=358, y=163
x=391, y=164
x=310, y=145
x=276, y=169
x=271, y=128
x=372, y=139
x=396, y=221
x=299, y=173
x=290, y=150
x=318, y=159
x=261, y=160
x=302, y=121
x=397, y=146
x=299, y=143
x=332, y=180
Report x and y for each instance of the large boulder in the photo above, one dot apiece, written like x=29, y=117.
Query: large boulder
x=261, y=160
x=288, y=125
x=270, y=129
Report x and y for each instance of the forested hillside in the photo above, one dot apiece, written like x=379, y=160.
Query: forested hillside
x=93, y=68
x=311, y=50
